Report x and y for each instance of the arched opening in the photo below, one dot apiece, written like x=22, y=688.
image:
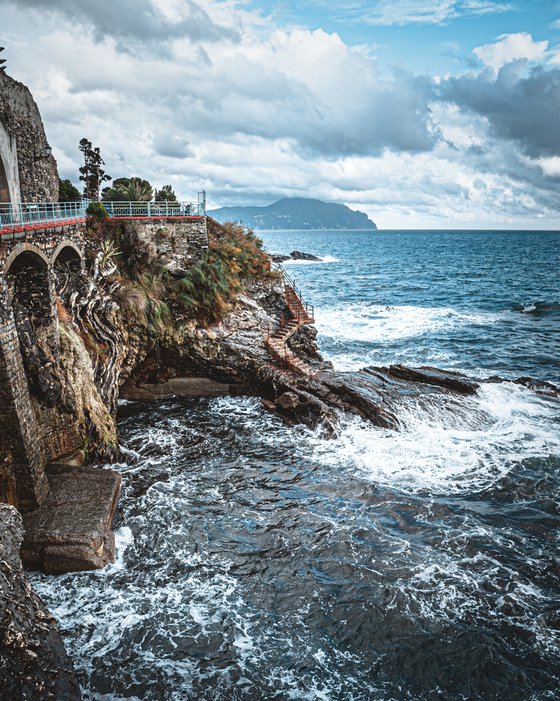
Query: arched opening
x=67, y=265
x=5, y=199
x=37, y=328
x=67, y=256
x=28, y=279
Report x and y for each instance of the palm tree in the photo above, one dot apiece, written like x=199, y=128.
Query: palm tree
x=133, y=190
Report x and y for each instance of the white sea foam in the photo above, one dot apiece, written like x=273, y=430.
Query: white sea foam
x=444, y=450
x=376, y=323
x=322, y=259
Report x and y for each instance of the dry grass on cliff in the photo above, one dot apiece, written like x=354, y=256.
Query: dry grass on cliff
x=213, y=282
x=152, y=298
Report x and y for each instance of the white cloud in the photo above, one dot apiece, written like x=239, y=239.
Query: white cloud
x=511, y=47
x=402, y=12
x=549, y=166
x=275, y=113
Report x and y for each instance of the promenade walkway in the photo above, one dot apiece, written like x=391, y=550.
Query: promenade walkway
x=18, y=217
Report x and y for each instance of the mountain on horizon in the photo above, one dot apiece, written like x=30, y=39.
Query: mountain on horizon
x=295, y=213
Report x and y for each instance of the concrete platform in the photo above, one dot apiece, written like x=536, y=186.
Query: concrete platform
x=71, y=532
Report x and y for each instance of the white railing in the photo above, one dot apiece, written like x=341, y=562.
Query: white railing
x=22, y=215
x=155, y=209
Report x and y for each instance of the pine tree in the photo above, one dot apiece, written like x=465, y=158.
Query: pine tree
x=92, y=173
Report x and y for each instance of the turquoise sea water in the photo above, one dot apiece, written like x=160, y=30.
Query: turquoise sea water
x=487, y=302
x=260, y=561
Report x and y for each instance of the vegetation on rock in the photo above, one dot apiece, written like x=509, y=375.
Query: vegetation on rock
x=150, y=295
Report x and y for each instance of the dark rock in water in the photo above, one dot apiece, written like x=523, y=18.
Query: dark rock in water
x=545, y=389
x=294, y=255
x=299, y=255
x=432, y=376
x=33, y=662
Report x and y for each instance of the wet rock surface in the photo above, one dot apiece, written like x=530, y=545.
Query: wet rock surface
x=34, y=665
x=72, y=529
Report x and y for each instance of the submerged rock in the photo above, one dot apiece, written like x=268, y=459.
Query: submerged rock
x=34, y=665
x=545, y=389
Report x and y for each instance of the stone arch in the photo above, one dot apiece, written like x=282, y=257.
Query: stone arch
x=28, y=275
x=67, y=254
x=23, y=248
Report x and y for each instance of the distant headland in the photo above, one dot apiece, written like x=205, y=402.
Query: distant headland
x=296, y=213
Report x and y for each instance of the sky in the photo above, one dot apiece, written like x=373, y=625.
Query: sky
x=421, y=113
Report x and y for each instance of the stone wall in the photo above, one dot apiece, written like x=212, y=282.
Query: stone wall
x=9, y=170
x=170, y=238
x=20, y=119
x=34, y=429
x=24, y=455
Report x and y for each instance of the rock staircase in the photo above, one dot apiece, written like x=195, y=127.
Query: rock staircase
x=301, y=314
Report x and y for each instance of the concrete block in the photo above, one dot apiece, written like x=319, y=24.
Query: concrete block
x=71, y=532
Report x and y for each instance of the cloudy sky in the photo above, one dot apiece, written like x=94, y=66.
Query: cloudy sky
x=422, y=113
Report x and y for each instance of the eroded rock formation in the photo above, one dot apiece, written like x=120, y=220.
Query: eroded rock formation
x=33, y=662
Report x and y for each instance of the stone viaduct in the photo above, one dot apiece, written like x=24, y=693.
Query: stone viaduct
x=39, y=239
x=28, y=314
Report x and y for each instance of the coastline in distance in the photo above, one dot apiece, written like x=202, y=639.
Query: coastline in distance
x=295, y=213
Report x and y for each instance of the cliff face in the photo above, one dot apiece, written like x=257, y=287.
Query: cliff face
x=36, y=167
x=33, y=662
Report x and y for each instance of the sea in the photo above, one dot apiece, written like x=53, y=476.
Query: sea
x=257, y=560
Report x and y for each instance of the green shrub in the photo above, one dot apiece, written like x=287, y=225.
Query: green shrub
x=96, y=210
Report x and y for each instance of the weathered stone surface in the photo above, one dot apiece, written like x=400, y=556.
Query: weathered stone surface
x=288, y=401
x=175, y=242
x=19, y=115
x=72, y=530
x=175, y=387
x=433, y=376
x=34, y=665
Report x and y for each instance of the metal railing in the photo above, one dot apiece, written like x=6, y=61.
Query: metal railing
x=155, y=209
x=308, y=309
x=26, y=215
x=19, y=216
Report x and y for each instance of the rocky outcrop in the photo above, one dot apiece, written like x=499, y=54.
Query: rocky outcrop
x=34, y=665
x=295, y=255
